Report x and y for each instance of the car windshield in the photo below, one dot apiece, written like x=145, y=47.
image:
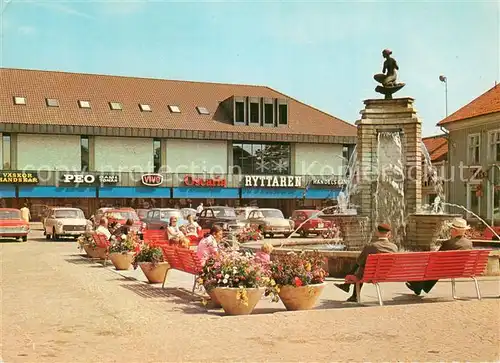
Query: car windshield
x=10, y=214
x=166, y=214
x=68, y=213
x=188, y=211
x=225, y=212
x=272, y=213
x=122, y=215
x=241, y=213
x=142, y=213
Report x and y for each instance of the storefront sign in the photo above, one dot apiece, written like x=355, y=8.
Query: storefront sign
x=217, y=181
x=90, y=179
x=152, y=180
x=18, y=178
x=273, y=181
x=329, y=182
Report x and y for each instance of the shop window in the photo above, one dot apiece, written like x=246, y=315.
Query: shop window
x=494, y=146
x=157, y=154
x=474, y=149
x=6, y=144
x=258, y=158
x=85, y=153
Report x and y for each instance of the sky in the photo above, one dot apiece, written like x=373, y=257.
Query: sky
x=322, y=53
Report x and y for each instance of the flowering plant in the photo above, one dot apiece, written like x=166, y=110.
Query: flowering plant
x=125, y=243
x=298, y=270
x=248, y=234
x=86, y=239
x=148, y=253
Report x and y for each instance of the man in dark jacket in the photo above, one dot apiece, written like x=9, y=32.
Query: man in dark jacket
x=381, y=245
x=458, y=241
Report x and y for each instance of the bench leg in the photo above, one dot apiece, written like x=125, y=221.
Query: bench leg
x=358, y=292
x=164, y=279
x=194, y=284
x=453, y=289
x=381, y=303
x=477, y=289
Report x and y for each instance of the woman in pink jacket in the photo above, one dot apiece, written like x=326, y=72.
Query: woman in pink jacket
x=210, y=244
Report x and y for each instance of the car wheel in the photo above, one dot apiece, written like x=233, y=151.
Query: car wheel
x=25, y=238
x=287, y=235
x=303, y=234
x=55, y=237
x=271, y=235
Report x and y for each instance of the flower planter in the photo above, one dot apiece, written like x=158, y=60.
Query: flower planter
x=300, y=298
x=232, y=302
x=155, y=273
x=122, y=261
x=215, y=303
x=95, y=252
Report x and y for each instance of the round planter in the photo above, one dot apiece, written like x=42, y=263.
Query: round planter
x=228, y=298
x=91, y=252
x=300, y=298
x=122, y=261
x=214, y=302
x=154, y=273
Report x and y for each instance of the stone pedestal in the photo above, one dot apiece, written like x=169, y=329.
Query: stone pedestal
x=424, y=230
x=355, y=230
x=399, y=116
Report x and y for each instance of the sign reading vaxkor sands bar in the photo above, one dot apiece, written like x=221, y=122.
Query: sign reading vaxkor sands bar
x=269, y=181
x=18, y=178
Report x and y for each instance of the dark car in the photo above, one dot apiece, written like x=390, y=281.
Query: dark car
x=159, y=218
x=222, y=216
x=316, y=225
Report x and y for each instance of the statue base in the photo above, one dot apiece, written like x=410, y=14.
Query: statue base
x=388, y=91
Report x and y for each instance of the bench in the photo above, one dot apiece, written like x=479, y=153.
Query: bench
x=101, y=241
x=421, y=266
x=154, y=237
x=181, y=259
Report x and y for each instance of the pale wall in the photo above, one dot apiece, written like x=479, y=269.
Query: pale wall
x=318, y=159
x=117, y=154
x=197, y=156
x=48, y=152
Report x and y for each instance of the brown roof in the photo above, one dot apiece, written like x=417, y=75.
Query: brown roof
x=437, y=146
x=488, y=102
x=68, y=88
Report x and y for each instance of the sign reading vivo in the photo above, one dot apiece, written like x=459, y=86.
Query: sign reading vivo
x=152, y=180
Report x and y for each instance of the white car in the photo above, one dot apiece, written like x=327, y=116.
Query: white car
x=65, y=222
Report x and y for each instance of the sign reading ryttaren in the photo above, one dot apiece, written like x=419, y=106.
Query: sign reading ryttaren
x=90, y=179
x=269, y=181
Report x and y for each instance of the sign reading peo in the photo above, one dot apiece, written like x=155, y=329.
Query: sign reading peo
x=18, y=178
x=89, y=179
x=269, y=181
x=216, y=181
x=152, y=180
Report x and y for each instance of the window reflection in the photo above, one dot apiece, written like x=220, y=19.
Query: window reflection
x=84, y=147
x=157, y=155
x=260, y=158
x=6, y=165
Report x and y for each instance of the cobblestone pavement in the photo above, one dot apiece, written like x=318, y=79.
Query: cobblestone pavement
x=60, y=307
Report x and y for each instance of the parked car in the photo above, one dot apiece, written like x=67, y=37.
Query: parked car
x=12, y=225
x=65, y=222
x=222, y=216
x=159, y=218
x=242, y=213
x=188, y=211
x=121, y=215
x=270, y=222
x=315, y=225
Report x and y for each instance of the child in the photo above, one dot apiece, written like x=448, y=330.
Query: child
x=264, y=255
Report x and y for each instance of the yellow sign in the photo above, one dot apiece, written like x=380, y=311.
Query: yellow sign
x=18, y=178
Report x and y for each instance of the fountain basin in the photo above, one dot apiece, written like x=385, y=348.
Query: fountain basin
x=424, y=230
x=354, y=230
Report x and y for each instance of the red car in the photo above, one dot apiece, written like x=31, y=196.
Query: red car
x=12, y=225
x=314, y=225
x=121, y=215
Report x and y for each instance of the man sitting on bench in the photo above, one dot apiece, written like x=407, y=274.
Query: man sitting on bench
x=458, y=241
x=381, y=245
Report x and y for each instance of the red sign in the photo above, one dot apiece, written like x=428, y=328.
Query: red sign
x=152, y=180
x=192, y=181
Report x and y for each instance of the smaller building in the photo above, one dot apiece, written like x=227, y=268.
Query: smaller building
x=474, y=155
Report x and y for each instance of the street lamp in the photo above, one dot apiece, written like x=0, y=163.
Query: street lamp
x=445, y=81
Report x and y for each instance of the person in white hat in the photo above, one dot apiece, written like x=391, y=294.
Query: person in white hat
x=458, y=241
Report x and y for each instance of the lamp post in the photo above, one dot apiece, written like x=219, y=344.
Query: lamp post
x=445, y=81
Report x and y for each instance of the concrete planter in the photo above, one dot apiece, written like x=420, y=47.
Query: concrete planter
x=300, y=298
x=95, y=252
x=155, y=273
x=233, y=303
x=214, y=302
x=122, y=261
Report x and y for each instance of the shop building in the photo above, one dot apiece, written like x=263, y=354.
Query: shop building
x=474, y=155
x=93, y=140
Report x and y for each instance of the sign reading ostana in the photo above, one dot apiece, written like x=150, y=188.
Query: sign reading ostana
x=269, y=181
x=18, y=178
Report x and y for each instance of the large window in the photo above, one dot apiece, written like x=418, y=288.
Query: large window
x=249, y=158
x=85, y=154
x=157, y=154
x=474, y=147
x=474, y=198
x=6, y=162
x=494, y=146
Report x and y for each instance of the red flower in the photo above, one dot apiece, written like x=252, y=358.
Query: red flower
x=298, y=282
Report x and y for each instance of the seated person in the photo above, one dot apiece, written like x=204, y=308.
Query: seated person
x=264, y=255
x=103, y=228
x=175, y=235
x=458, y=241
x=210, y=244
x=125, y=229
x=192, y=228
x=381, y=245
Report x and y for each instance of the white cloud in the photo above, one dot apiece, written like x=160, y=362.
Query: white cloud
x=27, y=30
x=62, y=8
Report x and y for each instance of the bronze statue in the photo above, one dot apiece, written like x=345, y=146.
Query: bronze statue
x=388, y=76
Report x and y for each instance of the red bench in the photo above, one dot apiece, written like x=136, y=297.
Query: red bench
x=421, y=266
x=155, y=237
x=182, y=259
x=102, y=241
